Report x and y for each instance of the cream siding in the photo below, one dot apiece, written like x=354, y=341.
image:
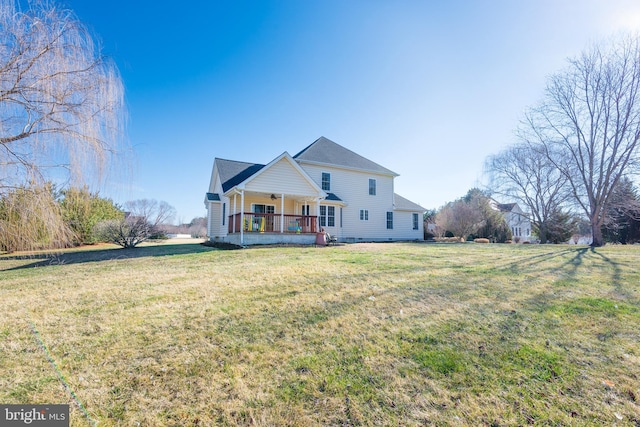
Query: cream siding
x=215, y=228
x=403, y=225
x=215, y=217
x=353, y=188
x=281, y=177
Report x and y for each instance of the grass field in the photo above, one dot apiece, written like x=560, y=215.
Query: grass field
x=363, y=334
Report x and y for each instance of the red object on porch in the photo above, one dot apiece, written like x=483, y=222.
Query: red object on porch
x=321, y=239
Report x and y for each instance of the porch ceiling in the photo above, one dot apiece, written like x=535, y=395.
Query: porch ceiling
x=267, y=195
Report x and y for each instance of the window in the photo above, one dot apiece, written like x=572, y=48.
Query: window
x=263, y=222
x=372, y=187
x=224, y=212
x=389, y=220
x=364, y=215
x=331, y=216
x=326, y=181
x=327, y=216
x=416, y=224
x=269, y=209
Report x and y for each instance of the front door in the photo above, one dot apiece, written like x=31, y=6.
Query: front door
x=269, y=210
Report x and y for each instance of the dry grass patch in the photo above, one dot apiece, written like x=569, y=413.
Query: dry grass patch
x=389, y=334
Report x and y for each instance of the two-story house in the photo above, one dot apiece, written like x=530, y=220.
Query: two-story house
x=292, y=198
x=517, y=220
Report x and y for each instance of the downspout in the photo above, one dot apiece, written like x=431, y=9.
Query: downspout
x=241, y=217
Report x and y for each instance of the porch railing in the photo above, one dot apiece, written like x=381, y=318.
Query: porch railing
x=271, y=223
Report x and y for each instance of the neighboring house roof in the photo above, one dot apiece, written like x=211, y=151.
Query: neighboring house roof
x=325, y=151
x=506, y=207
x=232, y=172
x=403, y=204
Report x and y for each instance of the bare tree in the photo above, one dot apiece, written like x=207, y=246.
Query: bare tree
x=589, y=124
x=460, y=218
x=142, y=221
x=61, y=101
x=523, y=173
x=198, y=227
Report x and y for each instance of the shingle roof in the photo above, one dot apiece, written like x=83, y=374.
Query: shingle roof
x=506, y=207
x=324, y=150
x=333, y=197
x=233, y=173
x=401, y=203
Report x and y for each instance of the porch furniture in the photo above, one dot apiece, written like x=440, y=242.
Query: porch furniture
x=331, y=240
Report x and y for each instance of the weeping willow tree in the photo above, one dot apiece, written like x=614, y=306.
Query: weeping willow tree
x=30, y=218
x=61, y=105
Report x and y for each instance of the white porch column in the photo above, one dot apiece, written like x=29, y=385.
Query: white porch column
x=282, y=213
x=235, y=211
x=318, y=216
x=242, y=217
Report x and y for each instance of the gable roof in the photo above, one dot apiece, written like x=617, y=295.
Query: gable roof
x=506, y=207
x=403, y=204
x=232, y=172
x=292, y=163
x=325, y=151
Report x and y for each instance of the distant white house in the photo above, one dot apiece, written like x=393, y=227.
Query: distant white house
x=323, y=187
x=517, y=220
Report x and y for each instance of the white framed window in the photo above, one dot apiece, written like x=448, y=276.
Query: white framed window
x=389, y=220
x=416, y=224
x=327, y=216
x=364, y=215
x=372, y=187
x=326, y=181
x=258, y=208
x=224, y=212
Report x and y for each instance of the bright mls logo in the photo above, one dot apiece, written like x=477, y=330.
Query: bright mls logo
x=34, y=415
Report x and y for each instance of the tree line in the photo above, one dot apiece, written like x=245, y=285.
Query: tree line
x=42, y=217
x=577, y=150
x=576, y=154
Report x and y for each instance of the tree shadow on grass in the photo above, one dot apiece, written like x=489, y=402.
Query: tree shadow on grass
x=92, y=255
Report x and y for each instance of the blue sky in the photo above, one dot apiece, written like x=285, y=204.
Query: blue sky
x=427, y=89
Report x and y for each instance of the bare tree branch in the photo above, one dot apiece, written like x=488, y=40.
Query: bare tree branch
x=588, y=126
x=59, y=97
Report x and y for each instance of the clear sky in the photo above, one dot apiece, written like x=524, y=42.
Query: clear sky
x=427, y=88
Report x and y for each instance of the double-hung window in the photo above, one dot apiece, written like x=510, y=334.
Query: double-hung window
x=372, y=187
x=390, y=220
x=326, y=181
x=364, y=215
x=327, y=216
x=416, y=218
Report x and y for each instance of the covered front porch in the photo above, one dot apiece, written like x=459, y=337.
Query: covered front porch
x=266, y=218
x=275, y=203
x=251, y=222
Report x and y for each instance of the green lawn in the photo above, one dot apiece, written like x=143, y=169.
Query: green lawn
x=364, y=334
